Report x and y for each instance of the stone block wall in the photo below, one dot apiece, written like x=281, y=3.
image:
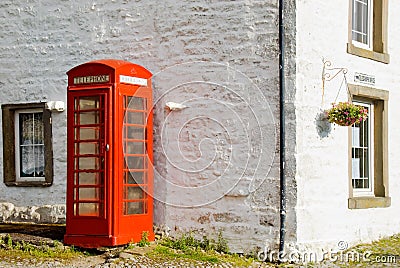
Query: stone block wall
x=216, y=162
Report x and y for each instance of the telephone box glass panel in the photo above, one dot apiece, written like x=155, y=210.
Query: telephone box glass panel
x=135, y=159
x=89, y=130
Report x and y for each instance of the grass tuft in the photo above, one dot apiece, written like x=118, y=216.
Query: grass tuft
x=205, y=250
x=24, y=250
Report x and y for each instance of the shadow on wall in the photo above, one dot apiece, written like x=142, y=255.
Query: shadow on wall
x=323, y=126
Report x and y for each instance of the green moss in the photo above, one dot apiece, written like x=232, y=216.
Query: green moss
x=196, y=254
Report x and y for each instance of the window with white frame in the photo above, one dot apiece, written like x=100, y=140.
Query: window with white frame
x=368, y=29
x=362, y=20
x=27, y=145
x=368, y=150
x=362, y=155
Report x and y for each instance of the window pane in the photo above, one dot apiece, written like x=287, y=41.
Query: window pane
x=365, y=167
x=86, y=103
x=136, y=103
x=134, y=177
x=38, y=133
x=135, y=162
x=136, y=118
x=361, y=21
x=87, y=133
x=136, y=133
x=134, y=208
x=88, y=163
x=89, y=118
x=89, y=209
x=132, y=193
x=39, y=161
x=365, y=133
x=89, y=178
x=26, y=123
x=134, y=148
x=32, y=161
x=87, y=148
x=89, y=193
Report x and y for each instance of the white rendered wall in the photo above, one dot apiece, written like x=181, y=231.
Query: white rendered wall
x=322, y=159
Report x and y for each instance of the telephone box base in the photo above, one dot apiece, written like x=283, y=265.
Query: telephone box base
x=85, y=241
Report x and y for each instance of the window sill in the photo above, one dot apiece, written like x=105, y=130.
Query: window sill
x=369, y=202
x=369, y=54
x=29, y=184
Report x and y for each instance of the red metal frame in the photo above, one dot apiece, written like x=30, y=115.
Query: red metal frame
x=119, y=223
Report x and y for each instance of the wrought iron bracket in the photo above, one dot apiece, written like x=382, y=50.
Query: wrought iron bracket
x=329, y=73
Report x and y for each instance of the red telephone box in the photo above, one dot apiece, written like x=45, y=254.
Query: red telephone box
x=109, y=154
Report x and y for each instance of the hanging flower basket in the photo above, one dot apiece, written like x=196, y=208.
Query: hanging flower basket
x=346, y=114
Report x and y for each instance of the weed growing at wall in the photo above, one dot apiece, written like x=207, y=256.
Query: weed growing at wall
x=187, y=241
x=22, y=249
x=205, y=250
x=144, y=241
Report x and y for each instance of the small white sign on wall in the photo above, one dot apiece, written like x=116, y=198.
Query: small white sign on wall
x=364, y=79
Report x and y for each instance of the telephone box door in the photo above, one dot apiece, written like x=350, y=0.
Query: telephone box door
x=137, y=206
x=87, y=151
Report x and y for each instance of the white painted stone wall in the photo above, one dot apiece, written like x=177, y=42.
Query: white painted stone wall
x=323, y=215
x=216, y=161
x=32, y=68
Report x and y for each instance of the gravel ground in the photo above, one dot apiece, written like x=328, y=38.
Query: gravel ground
x=39, y=234
x=125, y=260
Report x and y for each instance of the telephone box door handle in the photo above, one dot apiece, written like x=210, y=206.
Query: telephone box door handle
x=107, y=147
